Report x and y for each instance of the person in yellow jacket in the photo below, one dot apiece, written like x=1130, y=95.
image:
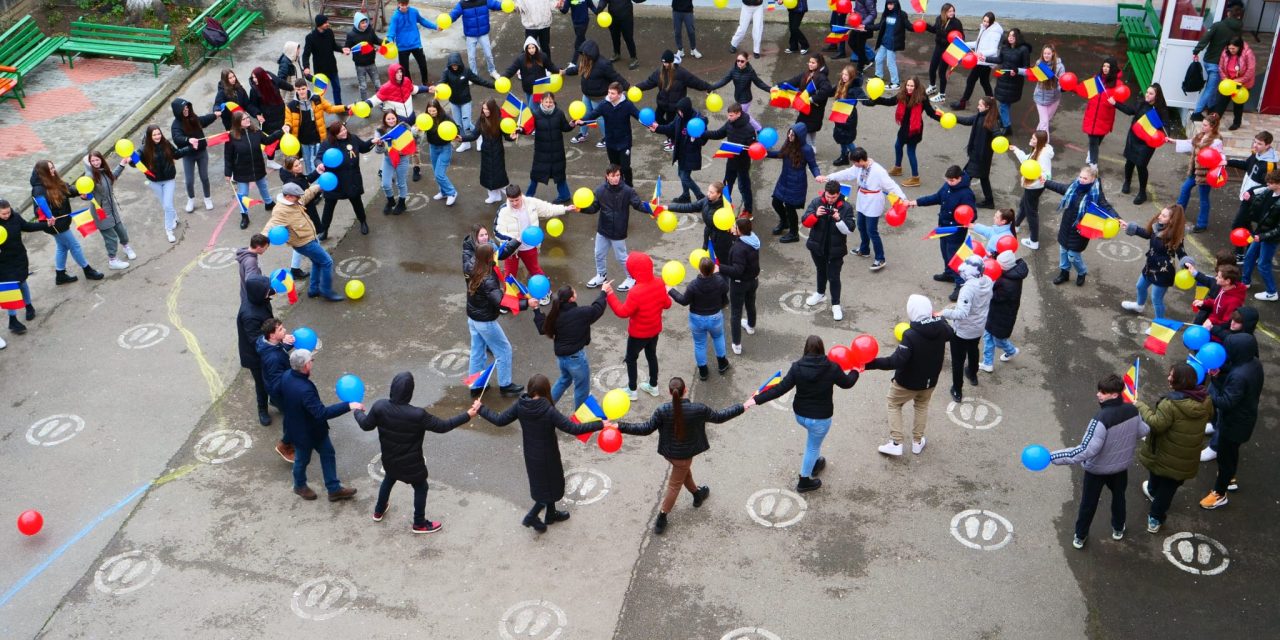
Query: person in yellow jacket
x=311, y=109
x=291, y=212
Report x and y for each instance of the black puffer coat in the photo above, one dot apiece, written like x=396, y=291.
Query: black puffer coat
x=539, y=420
x=681, y=82
x=548, y=145
x=814, y=378
x=696, y=416
x=460, y=77
x=401, y=427
x=742, y=79
x=825, y=237
x=596, y=84
x=255, y=308
x=242, y=159
x=979, y=146
x=1006, y=297
x=817, y=101
x=1236, y=392
x=721, y=240
x=350, y=182
x=469, y=253
x=1011, y=59
x=686, y=154
x=181, y=137
x=14, y=266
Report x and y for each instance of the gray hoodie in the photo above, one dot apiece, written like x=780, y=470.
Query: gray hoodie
x=969, y=315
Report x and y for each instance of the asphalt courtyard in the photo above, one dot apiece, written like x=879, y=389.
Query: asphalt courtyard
x=131, y=427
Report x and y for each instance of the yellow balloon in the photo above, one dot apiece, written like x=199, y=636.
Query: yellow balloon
x=447, y=131
x=4, y=235
x=899, y=329
x=720, y=4
x=667, y=221
x=1241, y=96
x=443, y=21
x=354, y=289
x=555, y=227
x=508, y=6
x=874, y=88
x=714, y=103
x=361, y=109
x=947, y=120
x=424, y=122
x=289, y=144
x=634, y=94
x=577, y=110
x=508, y=126
x=557, y=82
x=604, y=20
x=696, y=257
x=390, y=51
x=84, y=184
x=1110, y=228
x=443, y=92
x=722, y=219
x=583, y=197
x=124, y=148
x=1228, y=86
x=617, y=402
x=789, y=4
x=1030, y=169
x=1000, y=144
x=1184, y=280
x=502, y=84
x=672, y=273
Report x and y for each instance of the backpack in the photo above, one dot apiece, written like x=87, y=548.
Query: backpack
x=214, y=33
x=1193, y=82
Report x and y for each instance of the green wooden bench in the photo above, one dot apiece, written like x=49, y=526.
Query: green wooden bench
x=87, y=38
x=24, y=46
x=1140, y=26
x=1142, y=65
x=234, y=18
x=11, y=87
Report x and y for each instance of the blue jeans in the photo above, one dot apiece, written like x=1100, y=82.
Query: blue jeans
x=66, y=242
x=847, y=150
x=1208, y=95
x=441, y=154
x=562, y=189
x=264, y=190
x=488, y=335
x=574, y=370
x=603, y=245
x=897, y=155
x=399, y=173
x=26, y=296
x=1157, y=298
x=328, y=465
x=164, y=193
x=1258, y=256
x=463, y=111
x=486, y=46
x=321, y=268
x=989, y=345
x=308, y=152
x=1184, y=197
x=688, y=186
x=817, y=428
x=889, y=59
x=703, y=326
x=591, y=105
x=1068, y=259
x=1006, y=118
x=869, y=235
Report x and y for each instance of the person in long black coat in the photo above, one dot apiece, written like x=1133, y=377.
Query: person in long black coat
x=1014, y=55
x=493, y=155
x=539, y=421
x=1235, y=392
x=1006, y=297
x=401, y=427
x=350, y=182
x=817, y=74
x=255, y=309
x=549, y=126
x=682, y=434
x=982, y=129
x=14, y=266
x=1137, y=153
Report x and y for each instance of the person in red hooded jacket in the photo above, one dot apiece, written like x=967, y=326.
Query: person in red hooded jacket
x=1100, y=112
x=643, y=308
x=396, y=94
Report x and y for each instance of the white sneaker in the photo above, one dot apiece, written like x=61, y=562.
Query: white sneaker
x=930, y=89
x=737, y=349
x=1026, y=242
x=938, y=97
x=448, y=202
x=1208, y=428
x=274, y=166
x=1130, y=305
x=491, y=199
x=495, y=74
x=600, y=145
x=891, y=448
x=3, y=344
x=837, y=313
x=751, y=331
x=1269, y=297
x=649, y=389
x=117, y=264
x=191, y=205
x=631, y=393
x=1005, y=357
x=438, y=196
x=1208, y=454
x=208, y=204
x=814, y=299
x=466, y=146
x=986, y=367
x=596, y=281
x=679, y=53
x=917, y=447
x=696, y=53
x=168, y=233
x=892, y=87
x=1147, y=492
x=128, y=253
x=627, y=284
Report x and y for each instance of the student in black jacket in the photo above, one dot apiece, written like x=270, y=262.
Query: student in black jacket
x=157, y=155
x=742, y=269
x=484, y=306
x=365, y=58
x=350, y=181
x=243, y=163
x=615, y=114
x=916, y=365
x=673, y=82
x=686, y=153
x=1235, y=391
x=569, y=327
x=682, y=434
x=742, y=75
x=318, y=51
x=829, y=219
x=187, y=125
x=944, y=24
x=737, y=130
x=48, y=189
x=231, y=90
x=707, y=206
x=706, y=297
x=401, y=427
x=596, y=74
x=623, y=27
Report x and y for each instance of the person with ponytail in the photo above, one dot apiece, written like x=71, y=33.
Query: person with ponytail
x=569, y=327
x=682, y=434
x=243, y=163
x=484, y=306
x=1197, y=174
x=943, y=26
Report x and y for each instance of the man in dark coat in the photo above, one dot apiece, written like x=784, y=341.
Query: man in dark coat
x=617, y=112
x=738, y=130
x=273, y=347
x=614, y=201
x=916, y=363
x=255, y=308
x=1235, y=391
x=1006, y=297
x=401, y=427
x=317, y=55
x=306, y=424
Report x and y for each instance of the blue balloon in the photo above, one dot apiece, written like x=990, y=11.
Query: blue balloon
x=768, y=137
x=647, y=116
x=1035, y=457
x=332, y=158
x=1194, y=337
x=350, y=389
x=539, y=286
x=1212, y=356
x=532, y=236
x=278, y=235
x=696, y=127
x=1200, y=372
x=328, y=182
x=304, y=338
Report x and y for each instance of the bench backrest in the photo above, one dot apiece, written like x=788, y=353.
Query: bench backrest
x=19, y=39
x=133, y=35
x=215, y=11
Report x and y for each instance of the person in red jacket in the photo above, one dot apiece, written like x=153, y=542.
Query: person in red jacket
x=1230, y=297
x=1100, y=112
x=644, y=306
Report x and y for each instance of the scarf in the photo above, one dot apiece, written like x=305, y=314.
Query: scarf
x=1095, y=194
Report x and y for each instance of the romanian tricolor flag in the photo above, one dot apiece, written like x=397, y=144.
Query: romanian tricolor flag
x=920, y=6
x=540, y=86
x=512, y=294
x=730, y=149
x=512, y=107
x=97, y=209
x=839, y=33
x=1159, y=334
x=896, y=203
x=773, y=381
x=244, y=202
x=1093, y=87
x=1040, y=72
x=83, y=222
x=364, y=49
x=1150, y=129
x=1130, y=392
x=711, y=252
x=804, y=99
x=782, y=96
x=319, y=84
x=590, y=411
x=11, y=296
x=400, y=143
x=955, y=51
x=282, y=282
x=972, y=246
x=655, y=203
x=841, y=110
x=525, y=122
x=233, y=106
x=42, y=208
x=1093, y=221
x=217, y=139
x=480, y=379
x=136, y=161
x=941, y=232
x=846, y=191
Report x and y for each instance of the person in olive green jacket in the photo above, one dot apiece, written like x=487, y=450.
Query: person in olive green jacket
x=1171, y=451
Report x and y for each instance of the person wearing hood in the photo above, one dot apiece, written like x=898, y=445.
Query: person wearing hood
x=397, y=94
x=306, y=424
x=568, y=325
x=955, y=192
x=1105, y=452
x=255, y=309
x=549, y=164
x=829, y=219
x=816, y=73
x=580, y=16
x=402, y=31
x=814, y=377
x=969, y=317
x=274, y=345
x=1243, y=320
x=484, y=306
x=365, y=58
x=292, y=214
x=742, y=269
x=751, y=15
x=187, y=126
x=459, y=78
x=14, y=266
x=739, y=131
x=243, y=162
x=1165, y=256
x=643, y=311
x=287, y=65
x=539, y=421
x=110, y=225
x=531, y=65
x=682, y=435
x=1261, y=215
x=791, y=190
x=401, y=427
x=890, y=39
x=673, y=82
x=318, y=50
x=743, y=76
x=304, y=117
x=686, y=151
x=623, y=27
x=247, y=259
x=911, y=106
x=1006, y=297
x=475, y=28
x=1171, y=452
x=614, y=200
x=616, y=112
x=874, y=188
x=519, y=212
x=1013, y=56
x=596, y=74
x=1235, y=391
x=916, y=364
x=1032, y=190
x=707, y=206
x=1086, y=189
x=52, y=199
x=1212, y=44
x=706, y=297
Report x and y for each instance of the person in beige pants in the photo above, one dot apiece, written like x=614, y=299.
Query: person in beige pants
x=916, y=364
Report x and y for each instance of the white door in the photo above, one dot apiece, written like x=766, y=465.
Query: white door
x=1183, y=27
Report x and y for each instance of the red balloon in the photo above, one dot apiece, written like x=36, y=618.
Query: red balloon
x=1217, y=177
x=992, y=269
x=953, y=35
x=757, y=151
x=1158, y=138
x=854, y=20
x=30, y=522
x=842, y=356
x=809, y=221
x=919, y=26
x=895, y=217
x=1209, y=158
x=1241, y=237
x=1120, y=93
x=610, y=440
x=1068, y=81
x=1007, y=243
x=963, y=215
x=844, y=6
x=865, y=349
x=969, y=60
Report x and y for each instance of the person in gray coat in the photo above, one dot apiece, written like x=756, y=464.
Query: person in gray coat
x=114, y=235
x=969, y=319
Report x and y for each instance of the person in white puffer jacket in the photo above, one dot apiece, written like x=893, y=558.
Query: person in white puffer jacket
x=986, y=45
x=969, y=319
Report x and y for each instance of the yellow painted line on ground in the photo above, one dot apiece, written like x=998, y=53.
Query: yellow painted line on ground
x=175, y=474
x=210, y=374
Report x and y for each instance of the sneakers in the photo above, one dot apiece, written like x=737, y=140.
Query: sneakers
x=466, y=146
x=982, y=366
x=890, y=448
x=649, y=389
x=631, y=393
x=448, y=202
x=1026, y=242
x=877, y=265
x=286, y=451
x=695, y=53
x=208, y=204
x=1077, y=542
x=837, y=313
x=16, y=326
x=377, y=515
x=931, y=89
x=117, y=264
x=1213, y=501
x=627, y=284
x=438, y=196
x=1117, y=534
x=1269, y=297
x=918, y=447
x=751, y=331
x=1129, y=305
x=190, y=206
x=1153, y=525
x=128, y=253
x=804, y=485
x=938, y=97
x=860, y=254
x=168, y=234
x=596, y=281
x=737, y=349
x=892, y=87
x=578, y=139
x=427, y=527
x=814, y=298
x=1234, y=485
x=1146, y=491
x=600, y=145
x=1208, y=428
x=1005, y=357
x=1208, y=454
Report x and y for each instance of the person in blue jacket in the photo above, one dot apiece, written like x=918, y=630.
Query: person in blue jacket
x=403, y=32
x=617, y=112
x=954, y=192
x=791, y=191
x=686, y=153
x=306, y=423
x=475, y=26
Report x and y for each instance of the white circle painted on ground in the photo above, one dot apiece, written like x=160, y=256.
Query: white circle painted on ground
x=223, y=445
x=750, y=633
x=537, y=619
x=585, y=486
x=126, y=572
x=219, y=258
x=376, y=470
x=358, y=267
x=1119, y=251
x=982, y=530
x=687, y=221
x=453, y=362
x=975, y=413
x=793, y=302
x=323, y=598
x=1132, y=327
x=147, y=334
x=1196, y=553
x=55, y=429
x=609, y=378
x=783, y=402
x=776, y=508
x=416, y=202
